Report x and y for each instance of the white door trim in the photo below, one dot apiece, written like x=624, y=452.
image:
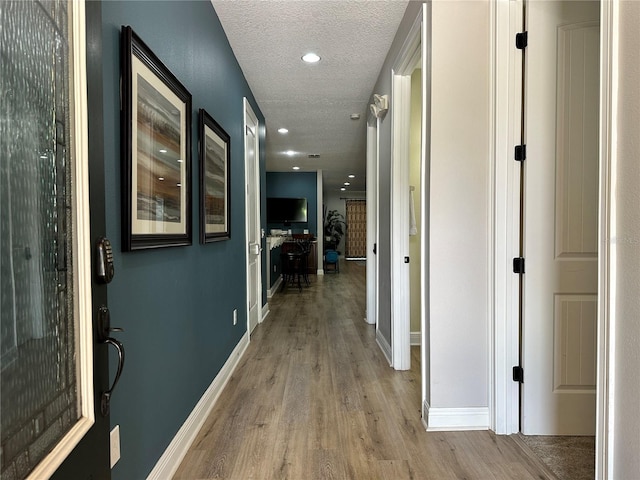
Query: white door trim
x=425, y=213
x=410, y=55
x=372, y=219
x=82, y=275
x=506, y=86
x=249, y=115
x=606, y=261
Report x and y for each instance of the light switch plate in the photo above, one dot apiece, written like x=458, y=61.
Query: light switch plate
x=114, y=441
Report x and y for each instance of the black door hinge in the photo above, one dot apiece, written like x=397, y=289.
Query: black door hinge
x=518, y=265
x=522, y=40
x=520, y=153
x=518, y=374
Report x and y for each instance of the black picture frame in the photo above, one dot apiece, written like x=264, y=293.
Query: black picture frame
x=214, y=151
x=155, y=117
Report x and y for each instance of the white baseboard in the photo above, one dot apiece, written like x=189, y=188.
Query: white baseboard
x=416, y=339
x=454, y=419
x=274, y=288
x=384, y=346
x=265, y=312
x=177, y=449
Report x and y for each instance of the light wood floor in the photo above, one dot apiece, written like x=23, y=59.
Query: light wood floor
x=314, y=398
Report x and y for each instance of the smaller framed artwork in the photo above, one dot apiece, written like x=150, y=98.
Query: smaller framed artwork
x=214, y=156
x=155, y=120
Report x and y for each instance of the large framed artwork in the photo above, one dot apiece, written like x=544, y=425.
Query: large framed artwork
x=156, y=150
x=214, y=180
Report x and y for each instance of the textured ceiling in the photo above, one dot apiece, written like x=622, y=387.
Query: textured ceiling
x=314, y=101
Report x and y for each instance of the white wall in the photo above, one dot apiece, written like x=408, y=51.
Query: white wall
x=460, y=206
x=626, y=383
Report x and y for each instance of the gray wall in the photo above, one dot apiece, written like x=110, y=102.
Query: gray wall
x=175, y=304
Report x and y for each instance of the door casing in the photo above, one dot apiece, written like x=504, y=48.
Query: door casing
x=507, y=19
x=253, y=183
x=409, y=57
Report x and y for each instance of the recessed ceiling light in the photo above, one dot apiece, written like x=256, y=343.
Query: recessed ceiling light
x=178, y=184
x=311, y=57
x=283, y=130
x=352, y=176
x=314, y=155
x=355, y=116
x=163, y=150
x=291, y=153
x=343, y=189
x=161, y=179
x=296, y=168
x=347, y=184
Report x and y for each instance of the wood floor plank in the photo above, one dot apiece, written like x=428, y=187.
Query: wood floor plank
x=314, y=398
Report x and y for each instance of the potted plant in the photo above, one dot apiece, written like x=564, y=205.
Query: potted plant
x=334, y=228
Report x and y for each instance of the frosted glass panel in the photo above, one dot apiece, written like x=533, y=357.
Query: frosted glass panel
x=38, y=373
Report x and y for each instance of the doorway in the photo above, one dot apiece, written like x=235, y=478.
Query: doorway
x=53, y=371
x=412, y=57
x=254, y=237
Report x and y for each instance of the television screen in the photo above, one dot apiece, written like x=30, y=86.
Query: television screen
x=286, y=210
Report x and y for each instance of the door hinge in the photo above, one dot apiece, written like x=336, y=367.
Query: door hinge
x=520, y=153
x=518, y=374
x=518, y=265
x=522, y=40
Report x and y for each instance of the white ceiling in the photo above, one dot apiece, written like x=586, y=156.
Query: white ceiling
x=314, y=101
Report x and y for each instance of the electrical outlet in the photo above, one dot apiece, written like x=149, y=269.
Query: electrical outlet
x=235, y=316
x=114, y=441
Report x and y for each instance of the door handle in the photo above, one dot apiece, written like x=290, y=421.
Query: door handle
x=255, y=248
x=104, y=336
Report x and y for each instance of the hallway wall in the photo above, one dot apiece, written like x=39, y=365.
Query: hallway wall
x=175, y=304
x=460, y=212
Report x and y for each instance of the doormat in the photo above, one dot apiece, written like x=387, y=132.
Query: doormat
x=569, y=458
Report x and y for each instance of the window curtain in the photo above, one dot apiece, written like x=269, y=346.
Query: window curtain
x=356, y=240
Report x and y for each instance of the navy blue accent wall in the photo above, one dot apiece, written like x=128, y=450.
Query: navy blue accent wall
x=175, y=304
x=296, y=185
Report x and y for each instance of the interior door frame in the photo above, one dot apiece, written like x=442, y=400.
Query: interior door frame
x=410, y=56
x=373, y=146
x=248, y=113
x=507, y=19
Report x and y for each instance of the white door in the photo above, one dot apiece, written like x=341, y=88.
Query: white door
x=561, y=196
x=254, y=249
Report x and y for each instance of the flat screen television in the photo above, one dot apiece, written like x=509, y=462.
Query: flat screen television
x=286, y=210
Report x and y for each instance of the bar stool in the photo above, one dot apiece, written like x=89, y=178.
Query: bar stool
x=291, y=268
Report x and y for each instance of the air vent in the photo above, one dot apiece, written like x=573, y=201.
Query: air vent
x=314, y=155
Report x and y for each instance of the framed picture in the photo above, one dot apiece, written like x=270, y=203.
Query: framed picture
x=156, y=150
x=214, y=180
